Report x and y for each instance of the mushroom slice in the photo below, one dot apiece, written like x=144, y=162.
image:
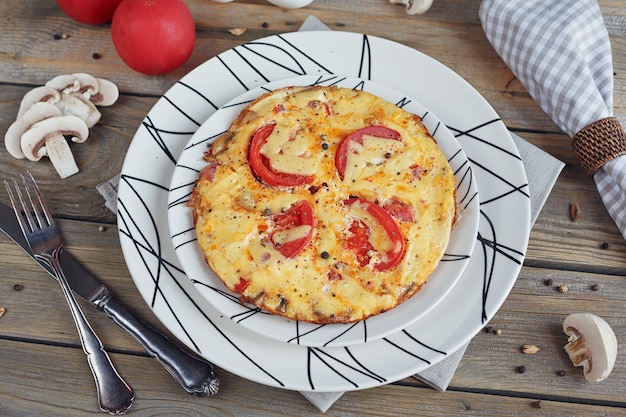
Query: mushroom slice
x=47, y=137
x=414, y=6
x=108, y=93
x=592, y=345
x=65, y=83
x=37, y=112
x=75, y=104
x=37, y=94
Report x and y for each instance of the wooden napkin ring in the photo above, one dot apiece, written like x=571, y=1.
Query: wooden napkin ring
x=599, y=143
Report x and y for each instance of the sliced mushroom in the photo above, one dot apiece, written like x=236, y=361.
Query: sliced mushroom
x=37, y=112
x=99, y=91
x=66, y=83
x=36, y=95
x=414, y=6
x=66, y=105
x=108, y=93
x=47, y=137
x=77, y=105
x=592, y=345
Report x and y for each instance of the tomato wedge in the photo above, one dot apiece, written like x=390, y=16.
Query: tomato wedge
x=341, y=157
x=292, y=230
x=360, y=232
x=260, y=165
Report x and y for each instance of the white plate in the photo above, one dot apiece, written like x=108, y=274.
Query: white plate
x=495, y=264
x=442, y=280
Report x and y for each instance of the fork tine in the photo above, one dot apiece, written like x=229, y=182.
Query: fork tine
x=44, y=217
x=23, y=215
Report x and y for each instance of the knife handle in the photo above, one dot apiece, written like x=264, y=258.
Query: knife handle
x=195, y=375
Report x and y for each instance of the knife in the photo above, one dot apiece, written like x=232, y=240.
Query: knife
x=195, y=375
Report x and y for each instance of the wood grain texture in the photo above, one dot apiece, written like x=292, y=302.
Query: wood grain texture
x=42, y=368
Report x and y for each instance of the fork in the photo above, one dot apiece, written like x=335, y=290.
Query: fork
x=115, y=396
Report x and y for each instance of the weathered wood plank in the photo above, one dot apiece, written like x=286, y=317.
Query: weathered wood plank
x=24, y=365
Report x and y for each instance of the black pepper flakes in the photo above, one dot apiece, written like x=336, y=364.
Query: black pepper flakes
x=537, y=404
x=595, y=287
x=548, y=282
x=488, y=329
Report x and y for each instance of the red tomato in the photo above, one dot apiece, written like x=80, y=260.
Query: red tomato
x=92, y=12
x=359, y=236
x=241, y=286
x=341, y=157
x=261, y=167
x=400, y=210
x=153, y=36
x=299, y=214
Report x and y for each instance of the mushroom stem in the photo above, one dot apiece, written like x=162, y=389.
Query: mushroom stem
x=60, y=155
x=577, y=350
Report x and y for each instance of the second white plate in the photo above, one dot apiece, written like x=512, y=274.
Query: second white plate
x=442, y=280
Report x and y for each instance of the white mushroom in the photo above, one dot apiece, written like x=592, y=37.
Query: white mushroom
x=592, y=345
x=107, y=94
x=414, y=6
x=36, y=95
x=65, y=106
x=47, y=137
x=37, y=112
x=75, y=104
x=66, y=83
x=99, y=91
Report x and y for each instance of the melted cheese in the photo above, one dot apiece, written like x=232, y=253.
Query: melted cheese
x=324, y=283
x=373, y=151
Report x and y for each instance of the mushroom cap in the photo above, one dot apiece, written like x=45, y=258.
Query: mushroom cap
x=79, y=82
x=67, y=125
x=592, y=345
x=108, y=93
x=37, y=112
x=37, y=94
x=414, y=6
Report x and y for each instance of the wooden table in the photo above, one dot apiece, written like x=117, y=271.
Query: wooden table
x=42, y=368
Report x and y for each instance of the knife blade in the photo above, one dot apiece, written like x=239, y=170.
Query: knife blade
x=195, y=375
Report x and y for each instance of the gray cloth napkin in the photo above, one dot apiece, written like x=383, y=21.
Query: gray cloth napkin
x=542, y=171
x=561, y=52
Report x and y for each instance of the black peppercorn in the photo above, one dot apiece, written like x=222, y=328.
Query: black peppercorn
x=604, y=245
x=96, y=55
x=324, y=255
x=548, y=282
x=521, y=369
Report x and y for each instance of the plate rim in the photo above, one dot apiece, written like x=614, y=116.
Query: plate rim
x=130, y=244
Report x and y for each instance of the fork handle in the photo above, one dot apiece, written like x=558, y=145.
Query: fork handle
x=195, y=375
x=114, y=395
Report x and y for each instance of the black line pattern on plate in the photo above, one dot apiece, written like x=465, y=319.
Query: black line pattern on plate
x=147, y=251
x=152, y=251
